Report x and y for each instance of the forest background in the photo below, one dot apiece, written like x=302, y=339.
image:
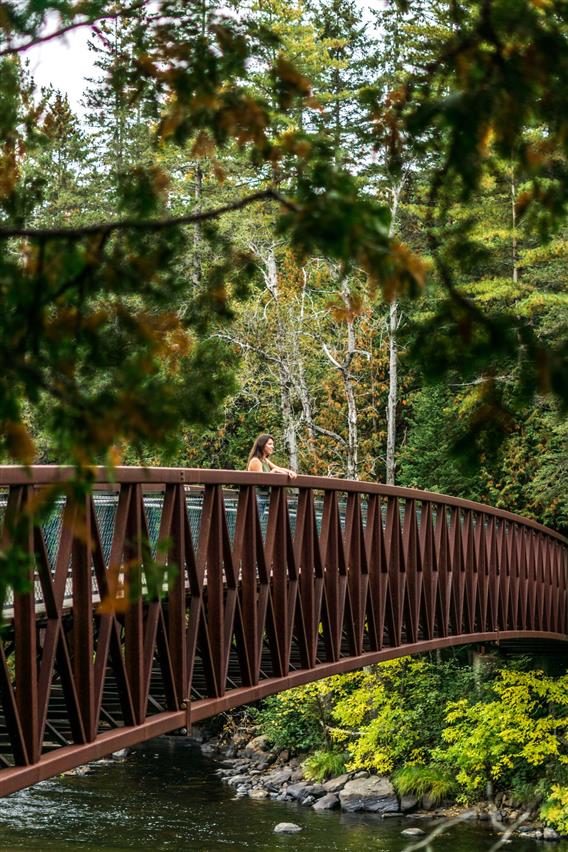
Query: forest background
x=400, y=317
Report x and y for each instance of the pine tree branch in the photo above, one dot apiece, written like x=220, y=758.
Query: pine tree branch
x=106, y=228
x=111, y=16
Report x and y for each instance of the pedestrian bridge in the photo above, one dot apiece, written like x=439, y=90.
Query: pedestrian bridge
x=168, y=595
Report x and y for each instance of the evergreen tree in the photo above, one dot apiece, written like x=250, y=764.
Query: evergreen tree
x=348, y=43
x=64, y=158
x=121, y=104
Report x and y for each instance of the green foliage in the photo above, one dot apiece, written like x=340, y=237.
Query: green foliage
x=550, y=483
x=527, y=473
x=554, y=810
x=352, y=230
x=301, y=719
x=189, y=104
x=495, y=186
x=397, y=713
x=519, y=731
x=428, y=459
x=291, y=727
x=323, y=764
x=382, y=717
x=431, y=781
x=291, y=722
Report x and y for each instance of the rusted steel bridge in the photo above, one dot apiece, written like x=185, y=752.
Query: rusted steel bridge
x=169, y=595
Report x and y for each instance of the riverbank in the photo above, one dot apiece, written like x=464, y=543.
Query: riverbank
x=253, y=769
x=165, y=795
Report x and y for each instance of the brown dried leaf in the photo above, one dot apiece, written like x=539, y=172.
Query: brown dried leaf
x=19, y=442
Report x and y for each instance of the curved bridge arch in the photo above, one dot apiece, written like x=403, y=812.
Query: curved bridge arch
x=169, y=595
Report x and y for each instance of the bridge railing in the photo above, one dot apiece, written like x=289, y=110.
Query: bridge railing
x=168, y=592
x=468, y=525
x=105, y=504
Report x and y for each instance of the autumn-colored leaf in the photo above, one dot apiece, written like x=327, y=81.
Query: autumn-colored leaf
x=18, y=441
x=204, y=145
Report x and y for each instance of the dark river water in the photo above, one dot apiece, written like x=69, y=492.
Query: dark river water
x=166, y=796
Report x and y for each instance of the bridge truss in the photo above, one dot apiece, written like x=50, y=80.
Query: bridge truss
x=168, y=595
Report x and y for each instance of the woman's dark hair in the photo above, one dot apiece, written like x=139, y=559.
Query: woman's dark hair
x=259, y=445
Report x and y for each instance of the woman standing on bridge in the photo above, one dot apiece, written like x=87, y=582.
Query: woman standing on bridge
x=259, y=462
x=259, y=458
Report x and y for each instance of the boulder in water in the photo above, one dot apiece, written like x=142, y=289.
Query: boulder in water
x=121, y=754
x=286, y=828
x=257, y=747
x=550, y=834
x=408, y=803
x=276, y=779
x=296, y=790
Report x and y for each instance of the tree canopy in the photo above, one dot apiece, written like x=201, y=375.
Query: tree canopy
x=417, y=152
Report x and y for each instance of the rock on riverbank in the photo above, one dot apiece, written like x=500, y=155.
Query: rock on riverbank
x=254, y=770
x=373, y=794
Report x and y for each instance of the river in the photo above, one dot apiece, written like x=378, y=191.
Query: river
x=165, y=796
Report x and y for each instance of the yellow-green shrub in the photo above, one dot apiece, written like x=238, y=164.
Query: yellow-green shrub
x=518, y=734
x=555, y=810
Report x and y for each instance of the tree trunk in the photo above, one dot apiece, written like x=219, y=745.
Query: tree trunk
x=352, y=433
x=353, y=439
x=393, y=394
x=301, y=384
x=288, y=421
x=288, y=424
x=344, y=367
x=393, y=359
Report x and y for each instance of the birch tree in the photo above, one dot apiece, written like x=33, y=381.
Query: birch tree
x=393, y=324
x=344, y=365
x=269, y=268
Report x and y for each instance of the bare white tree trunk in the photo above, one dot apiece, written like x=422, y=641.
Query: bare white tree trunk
x=393, y=393
x=353, y=439
x=344, y=367
x=282, y=353
x=290, y=437
x=393, y=322
x=352, y=433
x=301, y=384
x=270, y=273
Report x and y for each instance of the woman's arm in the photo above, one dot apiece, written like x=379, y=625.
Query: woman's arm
x=275, y=469
x=255, y=465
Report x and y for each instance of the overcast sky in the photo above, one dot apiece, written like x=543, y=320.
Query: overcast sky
x=64, y=62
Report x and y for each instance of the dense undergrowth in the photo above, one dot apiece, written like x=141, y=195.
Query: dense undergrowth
x=440, y=728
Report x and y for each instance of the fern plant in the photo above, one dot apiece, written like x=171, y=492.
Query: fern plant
x=323, y=764
x=431, y=781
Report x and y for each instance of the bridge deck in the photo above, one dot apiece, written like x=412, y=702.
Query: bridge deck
x=171, y=595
